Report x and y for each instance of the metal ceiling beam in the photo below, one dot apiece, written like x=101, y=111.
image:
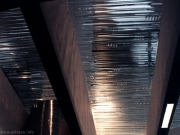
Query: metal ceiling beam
x=62, y=33
x=38, y=29
x=13, y=114
x=166, y=74
x=173, y=91
x=8, y=4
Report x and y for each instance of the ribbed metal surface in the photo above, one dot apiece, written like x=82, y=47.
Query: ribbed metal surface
x=118, y=44
x=20, y=61
x=54, y=116
x=176, y=118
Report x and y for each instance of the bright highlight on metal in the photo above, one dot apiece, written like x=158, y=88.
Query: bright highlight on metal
x=118, y=44
x=167, y=115
x=20, y=60
x=51, y=115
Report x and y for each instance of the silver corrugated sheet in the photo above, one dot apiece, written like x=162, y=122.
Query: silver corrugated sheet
x=176, y=118
x=20, y=61
x=118, y=43
x=52, y=112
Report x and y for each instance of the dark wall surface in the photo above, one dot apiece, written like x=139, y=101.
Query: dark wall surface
x=58, y=20
x=13, y=114
x=64, y=130
x=174, y=131
x=168, y=39
x=36, y=121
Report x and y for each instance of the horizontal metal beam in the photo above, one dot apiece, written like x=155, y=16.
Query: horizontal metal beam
x=173, y=91
x=63, y=35
x=38, y=29
x=9, y=4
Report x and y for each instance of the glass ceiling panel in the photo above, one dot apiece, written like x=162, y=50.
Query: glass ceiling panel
x=118, y=43
x=20, y=61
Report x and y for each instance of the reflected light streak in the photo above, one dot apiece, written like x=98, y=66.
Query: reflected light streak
x=51, y=115
x=105, y=107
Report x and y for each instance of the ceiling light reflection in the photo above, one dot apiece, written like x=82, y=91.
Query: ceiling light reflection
x=51, y=115
x=167, y=115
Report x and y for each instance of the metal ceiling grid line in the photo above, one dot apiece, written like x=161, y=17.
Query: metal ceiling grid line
x=118, y=44
x=20, y=60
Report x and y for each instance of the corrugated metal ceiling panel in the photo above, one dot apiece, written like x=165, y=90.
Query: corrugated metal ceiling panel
x=20, y=61
x=118, y=43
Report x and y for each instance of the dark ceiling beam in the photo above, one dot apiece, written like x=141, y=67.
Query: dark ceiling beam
x=38, y=29
x=173, y=90
x=58, y=19
x=164, y=85
x=9, y=4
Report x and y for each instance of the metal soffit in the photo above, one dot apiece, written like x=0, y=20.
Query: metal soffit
x=51, y=113
x=176, y=120
x=20, y=61
x=118, y=43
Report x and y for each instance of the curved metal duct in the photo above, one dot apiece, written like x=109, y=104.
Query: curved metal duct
x=53, y=113
x=46, y=118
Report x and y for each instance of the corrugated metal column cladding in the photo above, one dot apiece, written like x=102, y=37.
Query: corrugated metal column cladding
x=118, y=44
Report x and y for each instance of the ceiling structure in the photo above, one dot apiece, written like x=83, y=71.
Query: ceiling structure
x=176, y=119
x=20, y=60
x=118, y=42
x=34, y=73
